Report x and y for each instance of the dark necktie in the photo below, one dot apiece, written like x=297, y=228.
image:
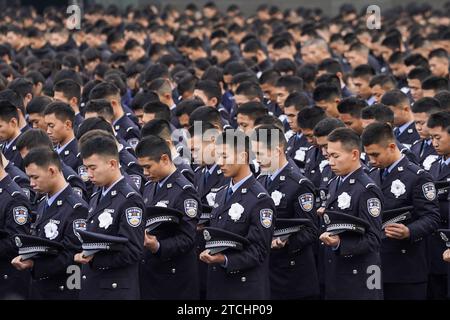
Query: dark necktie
x=384, y=174
x=229, y=194
x=397, y=132
x=206, y=176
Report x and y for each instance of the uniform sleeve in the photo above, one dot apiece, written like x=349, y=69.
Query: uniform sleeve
x=259, y=236
x=17, y=221
x=426, y=208
x=184, y=240
x=305, y=208
x=49, y=266
x=132, y=250
x=369, y=209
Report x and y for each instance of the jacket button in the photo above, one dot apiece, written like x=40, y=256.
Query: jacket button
x=61, y=288
x=220, y=217
x=329, y=261
x=174, y=270
x=403, y=251
x=355, y=271
x=292, y=263
x=83, y=277
x=243, y=279
x=114, y=285
x=214, y=268
x=5, y=277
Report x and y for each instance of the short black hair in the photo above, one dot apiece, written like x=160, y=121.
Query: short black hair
x=299, y=100
x=14, y=98
x=271, y=136
x=21, y=86
x=251, y=90
x=97, y=123
x=141, y=98
x=439, y=119
x=325, y=126
x=291, y=83
x=395, y=98
x=352, y=106
x=210, y=88
x=99, y=145
x=159, y=109
x=8, y=111
x=32, y=139
x=103, y=90
x=379, y=112
x=364, y=71
x=153, y=147
x=206, y=114
x=102, y=107
x=444, y=99
x=157, y=127
x=326, y=92
x=187, y=107
x=426, y=105
x=69, y=88
x=38, y=104
x=383, y=80
x=435, y=83
x=42, y=157
x=269, y=119
x=236, y=139
x=330, y=65
x=347, y=137
x=419, y=73
x=308, y=118
x=377, y=133
x=61, y=110
x=252, y=109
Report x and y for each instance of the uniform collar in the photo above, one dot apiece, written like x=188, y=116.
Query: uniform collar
x=274, y=175
x=56, y=195
x=61, y=148
x=392, y=166
x=162, y=182
x=105, y=192
x=405, y=126
x=236, y=186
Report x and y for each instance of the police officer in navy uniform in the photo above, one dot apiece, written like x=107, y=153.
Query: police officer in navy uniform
x=169, y=269
x=128, y=162
x=59, y=118
x=59, y=215
x=438, y=125
x=18, y=176
x=208, y=177
x=403, y=251
x=243, y=208
x=351, y=192
x=423, y=148
x=297, y=147
x=14, y=219
x=10, y=121
x=115, y=210
x=35, y=138
x=293, y=273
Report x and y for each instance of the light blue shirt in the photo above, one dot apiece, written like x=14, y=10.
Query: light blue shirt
x=9, y=143
x=402, y=128
x=447, y=162
x=53, y=198
x=276, y=173
x=240, y=183
x=392, y=166
x=211, y=170
x=105, y=192
x=61, y=149
x=162, y=182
